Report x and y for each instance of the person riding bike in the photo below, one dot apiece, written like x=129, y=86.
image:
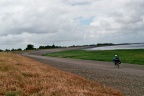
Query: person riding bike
x=116, y=59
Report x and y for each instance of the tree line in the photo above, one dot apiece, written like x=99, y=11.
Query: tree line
x=31, y=47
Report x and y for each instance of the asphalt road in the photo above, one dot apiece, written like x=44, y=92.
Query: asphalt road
x=128, y=78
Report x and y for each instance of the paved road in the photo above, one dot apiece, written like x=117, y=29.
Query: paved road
x=128, y=78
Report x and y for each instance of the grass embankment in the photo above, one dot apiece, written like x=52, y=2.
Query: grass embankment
x=127, y=56
x=21, y=76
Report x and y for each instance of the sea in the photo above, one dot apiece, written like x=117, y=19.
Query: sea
x=115, y=47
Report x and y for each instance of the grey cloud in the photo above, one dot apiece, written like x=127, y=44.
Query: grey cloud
x=130, y=18
x=45, y=22
x=28, y=19
x=78, y=2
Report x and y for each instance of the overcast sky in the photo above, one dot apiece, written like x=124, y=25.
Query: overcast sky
x=70, y=22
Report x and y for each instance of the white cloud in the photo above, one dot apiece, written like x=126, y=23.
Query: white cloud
x=69, y=22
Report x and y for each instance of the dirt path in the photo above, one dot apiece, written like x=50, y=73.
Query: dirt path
x=128, y=78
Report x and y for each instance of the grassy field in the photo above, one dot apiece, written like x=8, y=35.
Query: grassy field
x=21, y=76
x=127, y=56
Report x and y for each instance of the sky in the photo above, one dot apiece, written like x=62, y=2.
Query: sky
x=70, y=22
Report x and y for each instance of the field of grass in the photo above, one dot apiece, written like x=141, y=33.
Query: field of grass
x=22, y=76
x=126, y=56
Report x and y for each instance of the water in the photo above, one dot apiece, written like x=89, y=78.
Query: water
x=131, y=46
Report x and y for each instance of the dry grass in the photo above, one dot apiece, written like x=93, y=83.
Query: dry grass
x=21, y=76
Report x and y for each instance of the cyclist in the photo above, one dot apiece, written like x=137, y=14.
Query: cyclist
x=116, y=59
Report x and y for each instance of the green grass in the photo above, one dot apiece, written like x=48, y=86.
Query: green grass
x=131, y=56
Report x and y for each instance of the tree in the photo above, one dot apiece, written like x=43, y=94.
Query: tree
x=19, y=49
x=42, y=47
x=13, y=50
x=53, y=46
x=30, y=47
x=7, y=50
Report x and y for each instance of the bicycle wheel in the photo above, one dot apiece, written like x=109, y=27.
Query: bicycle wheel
x=117, y=65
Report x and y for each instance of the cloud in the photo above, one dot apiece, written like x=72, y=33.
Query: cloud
x=78, y=2
x=69, y=22
x=126, y=21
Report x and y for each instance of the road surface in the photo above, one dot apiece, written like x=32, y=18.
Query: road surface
x=128, y=78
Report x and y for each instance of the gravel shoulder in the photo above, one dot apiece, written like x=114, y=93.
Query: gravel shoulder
x=128, y=78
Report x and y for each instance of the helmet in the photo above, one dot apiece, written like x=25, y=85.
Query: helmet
x=115, y=55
